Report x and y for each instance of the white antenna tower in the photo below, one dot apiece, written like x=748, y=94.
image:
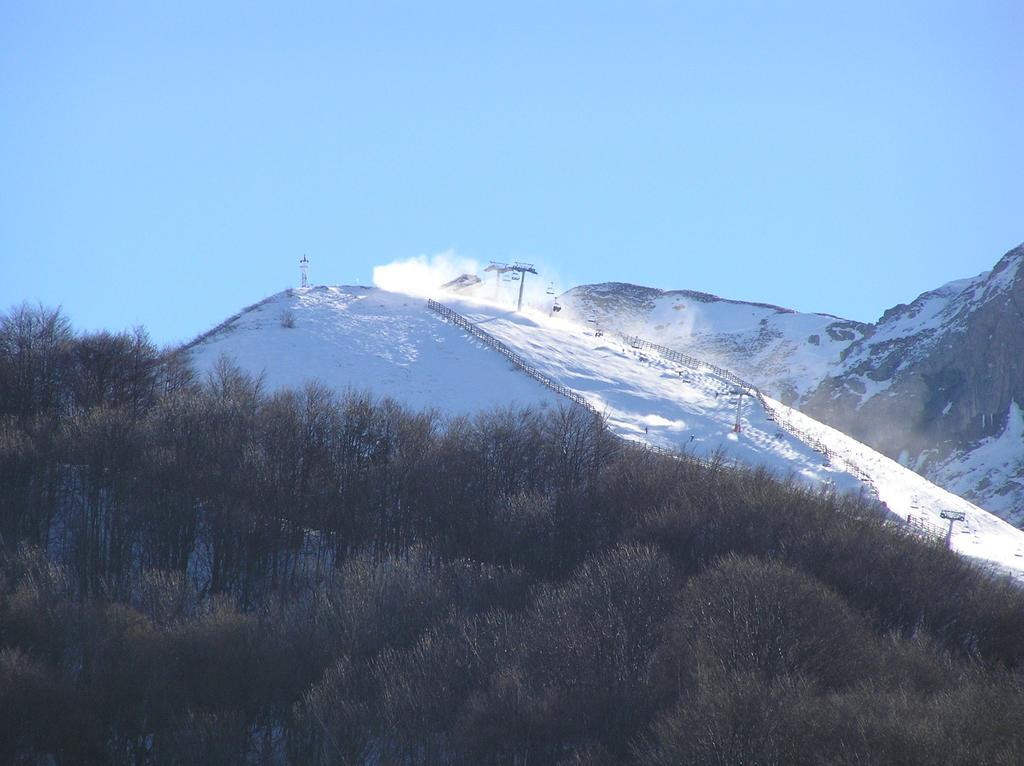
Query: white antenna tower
x=304, y=268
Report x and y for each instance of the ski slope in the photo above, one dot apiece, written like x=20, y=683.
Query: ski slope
x=786, y=352
x=649, y=399
x=981, y=535
x=367, y=339
x=936, y=381
x=392, y=345
x=652, y=399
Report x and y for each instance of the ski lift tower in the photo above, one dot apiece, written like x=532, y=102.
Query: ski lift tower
x=498, y=269
x=739, y=392
x=304, y=268
x=951, y=517
x=523, y=269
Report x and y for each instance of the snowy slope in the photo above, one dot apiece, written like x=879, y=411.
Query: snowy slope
x=994, y=467
x=784, y=351
x=652, y=399
x=649, y=399
x=937, y=383
x=909, y=495
x=391, y=344
x=364, y=338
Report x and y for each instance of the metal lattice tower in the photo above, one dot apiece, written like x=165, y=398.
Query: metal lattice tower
x=304, y=268
x=523, y=269
x=519, y=272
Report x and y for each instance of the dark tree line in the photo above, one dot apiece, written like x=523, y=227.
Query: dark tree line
x=205, y=571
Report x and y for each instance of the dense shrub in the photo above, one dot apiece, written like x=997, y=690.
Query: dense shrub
x=754, y=616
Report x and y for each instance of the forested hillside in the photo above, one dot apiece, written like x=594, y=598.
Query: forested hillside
x=200, y=571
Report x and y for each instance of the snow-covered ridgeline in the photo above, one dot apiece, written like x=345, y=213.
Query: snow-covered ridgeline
x=393, y=345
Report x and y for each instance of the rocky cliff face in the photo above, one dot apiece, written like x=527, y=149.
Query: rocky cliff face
x=937, y=383
x=937, y=380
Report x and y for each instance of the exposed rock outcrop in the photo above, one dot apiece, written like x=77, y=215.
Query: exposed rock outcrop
x=938, y=378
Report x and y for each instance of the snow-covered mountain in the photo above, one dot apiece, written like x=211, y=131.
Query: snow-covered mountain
x=937, y=383
x=392, y=344
x=783, y=351
x=940, y=384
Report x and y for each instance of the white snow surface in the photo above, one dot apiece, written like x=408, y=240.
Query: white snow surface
x=784, y=351
x=391, y=344
x=368, y=339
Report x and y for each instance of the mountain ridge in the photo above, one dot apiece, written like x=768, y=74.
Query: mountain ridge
x=395, y=346
x=929, y=383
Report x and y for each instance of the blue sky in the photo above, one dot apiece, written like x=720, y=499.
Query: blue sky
x=169, y=163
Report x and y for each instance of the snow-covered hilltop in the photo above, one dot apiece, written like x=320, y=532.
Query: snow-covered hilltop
x=368, y=339
x=392, y=344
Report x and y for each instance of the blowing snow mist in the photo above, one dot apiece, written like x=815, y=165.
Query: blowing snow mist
x=422, y=275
